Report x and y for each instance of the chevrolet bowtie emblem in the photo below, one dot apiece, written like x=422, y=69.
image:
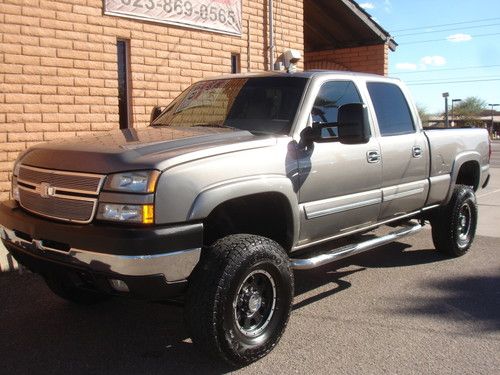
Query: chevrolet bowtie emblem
x=45, y=190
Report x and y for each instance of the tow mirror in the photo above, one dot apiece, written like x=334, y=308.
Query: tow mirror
x=351, y=127
x=353, y=124
x=155, y=112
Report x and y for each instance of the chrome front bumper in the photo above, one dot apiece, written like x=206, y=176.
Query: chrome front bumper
x=175, y=266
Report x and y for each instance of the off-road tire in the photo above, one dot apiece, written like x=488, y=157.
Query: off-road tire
x=64, y=287
x=454, y=225
x=217, y=302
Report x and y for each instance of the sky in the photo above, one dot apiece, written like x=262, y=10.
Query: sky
x=444, y=46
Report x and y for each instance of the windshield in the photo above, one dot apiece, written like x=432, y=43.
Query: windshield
x=259, y=104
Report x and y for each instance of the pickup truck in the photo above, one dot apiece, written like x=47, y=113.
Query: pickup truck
x=236, y=183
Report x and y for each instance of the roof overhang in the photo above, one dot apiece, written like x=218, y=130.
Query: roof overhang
x=333, y=24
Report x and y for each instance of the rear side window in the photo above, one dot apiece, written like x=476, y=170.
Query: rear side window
x=393, y=114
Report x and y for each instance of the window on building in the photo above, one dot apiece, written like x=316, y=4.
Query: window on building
x=393, y=114
x=331, y=96
x=124, y=107
x=235, y=63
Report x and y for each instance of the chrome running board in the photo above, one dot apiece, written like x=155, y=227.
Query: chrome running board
x=352, y=249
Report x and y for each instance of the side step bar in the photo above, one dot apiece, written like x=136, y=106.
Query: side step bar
x=352, y=249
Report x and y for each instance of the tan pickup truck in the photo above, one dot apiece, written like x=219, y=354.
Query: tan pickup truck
x=237, y=182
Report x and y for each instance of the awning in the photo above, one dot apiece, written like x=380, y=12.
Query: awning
x=333, y=24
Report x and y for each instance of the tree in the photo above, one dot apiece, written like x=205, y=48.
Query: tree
x=469, y=110
x=423, y=114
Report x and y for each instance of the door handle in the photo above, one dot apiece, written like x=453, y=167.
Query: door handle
x=373, y=156
x=416, y=151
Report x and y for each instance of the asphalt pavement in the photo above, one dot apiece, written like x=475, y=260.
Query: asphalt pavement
x=400, y=309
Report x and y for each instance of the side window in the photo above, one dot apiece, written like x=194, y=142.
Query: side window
x=331, y=96
x=393, y=114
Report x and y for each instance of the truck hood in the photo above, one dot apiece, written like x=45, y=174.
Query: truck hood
x=131, y=149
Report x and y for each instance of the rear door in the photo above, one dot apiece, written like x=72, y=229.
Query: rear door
x=404, y=151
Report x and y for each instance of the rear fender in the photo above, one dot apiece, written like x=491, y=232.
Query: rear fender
x=459, y=161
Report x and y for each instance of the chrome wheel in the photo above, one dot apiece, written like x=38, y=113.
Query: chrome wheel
x=464, y=224
x=255, y=302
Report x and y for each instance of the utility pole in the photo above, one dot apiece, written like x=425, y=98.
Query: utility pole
x=446, y=122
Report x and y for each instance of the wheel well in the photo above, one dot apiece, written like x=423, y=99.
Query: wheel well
x=469, y=174
x=266, y=214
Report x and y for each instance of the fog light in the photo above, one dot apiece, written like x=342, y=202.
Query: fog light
x=119, y=285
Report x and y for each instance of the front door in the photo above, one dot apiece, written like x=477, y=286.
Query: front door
x=340, y=183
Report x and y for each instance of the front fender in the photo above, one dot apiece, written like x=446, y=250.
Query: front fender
x=217, y=194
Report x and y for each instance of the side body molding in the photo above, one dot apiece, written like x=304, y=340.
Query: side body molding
x=217, y=194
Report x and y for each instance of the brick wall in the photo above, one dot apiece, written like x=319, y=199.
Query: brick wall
x=58, y=65
x=370, y=59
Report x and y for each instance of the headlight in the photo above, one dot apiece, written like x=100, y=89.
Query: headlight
x=127, y=213
x=132, y=182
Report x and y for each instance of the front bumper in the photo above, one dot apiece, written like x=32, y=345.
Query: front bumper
x=167, y=254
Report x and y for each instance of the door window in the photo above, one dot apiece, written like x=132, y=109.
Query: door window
x=331, y=96
x=393, y=114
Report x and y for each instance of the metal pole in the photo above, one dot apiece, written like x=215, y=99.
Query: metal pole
x=452, y=122
x=445, y=96
x=446, y=121
x=271, y=35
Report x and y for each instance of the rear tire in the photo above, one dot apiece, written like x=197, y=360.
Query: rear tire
x=65, y=288
x=454, y=225
x=239, y=298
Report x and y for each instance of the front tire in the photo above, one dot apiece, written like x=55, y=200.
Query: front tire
x=239, y=298
x=454, y=225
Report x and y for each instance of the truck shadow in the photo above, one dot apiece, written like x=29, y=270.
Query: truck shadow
x=397, y=254
x=466, y=299
x=41, y=333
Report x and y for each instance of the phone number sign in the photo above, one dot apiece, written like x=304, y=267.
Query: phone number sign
x=216, y=15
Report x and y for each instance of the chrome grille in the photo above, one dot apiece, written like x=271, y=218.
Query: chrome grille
x=67, y=196
x=70, y=181
x=56, y=207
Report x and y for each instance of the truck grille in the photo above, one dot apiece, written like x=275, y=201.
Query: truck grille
x=67, y=196
x=69, y=181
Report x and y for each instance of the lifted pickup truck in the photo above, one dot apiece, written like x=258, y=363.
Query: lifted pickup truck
x=237, y=182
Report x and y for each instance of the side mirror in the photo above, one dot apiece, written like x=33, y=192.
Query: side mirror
x=351, y=127
x=155, y=112
x=352, y=124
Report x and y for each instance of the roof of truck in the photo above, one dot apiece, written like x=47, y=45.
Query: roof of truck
x=301, y=74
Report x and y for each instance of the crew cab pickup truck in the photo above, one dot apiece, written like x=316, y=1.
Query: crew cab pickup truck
x=236, y=183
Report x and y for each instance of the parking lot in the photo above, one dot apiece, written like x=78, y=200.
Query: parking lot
x=401, y=309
